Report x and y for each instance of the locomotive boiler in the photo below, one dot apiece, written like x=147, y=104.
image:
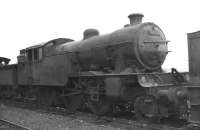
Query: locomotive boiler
x=116, y=71
x=140, y=46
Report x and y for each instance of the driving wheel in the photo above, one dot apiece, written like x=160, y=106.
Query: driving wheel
x=100, y=106
x=73, y=102
x=73, y=97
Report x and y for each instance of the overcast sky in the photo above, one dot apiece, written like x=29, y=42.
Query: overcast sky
x=27, y=22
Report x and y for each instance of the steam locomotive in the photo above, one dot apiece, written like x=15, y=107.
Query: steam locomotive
x=117, y=71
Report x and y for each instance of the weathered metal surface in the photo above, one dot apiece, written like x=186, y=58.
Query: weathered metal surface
x=194, y=93
x=122, y=48
x=156, y=80
x=50, y=63
x=127, y=52
x=8, y=75
x=193, y=53
x=45, y=66
x=135, y=18
x=194, y=73
x=88, y=33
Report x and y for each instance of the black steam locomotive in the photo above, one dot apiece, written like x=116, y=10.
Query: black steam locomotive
x=116, y=71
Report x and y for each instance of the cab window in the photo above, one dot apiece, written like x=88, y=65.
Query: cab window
x=29, y=55
x=40, y=54
x=34, y=54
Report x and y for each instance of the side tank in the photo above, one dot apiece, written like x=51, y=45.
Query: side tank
x=141, y=46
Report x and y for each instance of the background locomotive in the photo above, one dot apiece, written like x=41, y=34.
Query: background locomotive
x=194, y=73
x=118, y=70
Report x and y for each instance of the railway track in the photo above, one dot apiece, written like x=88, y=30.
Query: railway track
x=116, y=121
x=8, y=125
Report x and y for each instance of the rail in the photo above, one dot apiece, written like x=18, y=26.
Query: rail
x=8, y=125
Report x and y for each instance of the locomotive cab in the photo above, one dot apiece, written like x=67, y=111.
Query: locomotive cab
x=35, y=64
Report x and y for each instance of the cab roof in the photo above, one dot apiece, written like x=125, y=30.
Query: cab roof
x=54, y=41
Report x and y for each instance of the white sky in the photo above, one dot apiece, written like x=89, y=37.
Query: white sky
x=27, y=22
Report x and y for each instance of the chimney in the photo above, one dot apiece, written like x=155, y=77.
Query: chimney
x=135, y=18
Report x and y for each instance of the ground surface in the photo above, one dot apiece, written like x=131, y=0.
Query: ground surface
x=80, y=121
x=40, y=121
